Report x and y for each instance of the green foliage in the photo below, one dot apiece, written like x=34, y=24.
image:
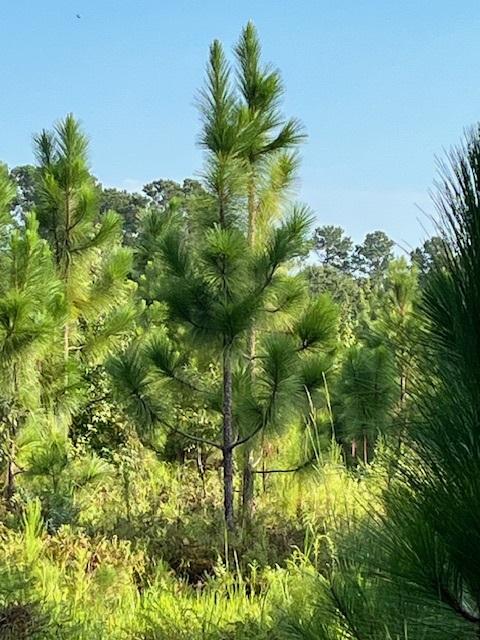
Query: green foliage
x=408, y=570
x=69, y=217
x=7, y=194
x=147, y=377
x=427, y=256
x=373, y=256
x=333, y=247
x=317, y=326
x=129, y=206
x=366, y=388
x=25, y=179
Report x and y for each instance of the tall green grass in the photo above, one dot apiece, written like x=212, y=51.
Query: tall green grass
x=112, y=576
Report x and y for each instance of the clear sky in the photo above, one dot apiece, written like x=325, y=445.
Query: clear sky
x=382, y=86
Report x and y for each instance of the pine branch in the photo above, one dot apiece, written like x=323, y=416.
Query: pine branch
x=262, y=424
x=241, y=441
x=452, y=602
x=305, y=464
x=186, y=383
x=189, y=436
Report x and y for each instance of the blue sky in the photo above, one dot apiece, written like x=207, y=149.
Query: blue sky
x=382, y=86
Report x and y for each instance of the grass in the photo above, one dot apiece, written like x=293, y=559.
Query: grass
x=164, y=572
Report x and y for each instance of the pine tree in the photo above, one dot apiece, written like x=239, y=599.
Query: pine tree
x=270, y=164
x=216, y=286
x=397, y=327
x=7, y=194
x=214, y=290
x=89, y=258
x=31, y=311
x=269, y=149
x=366, y=396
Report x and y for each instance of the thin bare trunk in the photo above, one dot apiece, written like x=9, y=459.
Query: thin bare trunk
x=66, y=275
x=248, y=477
x=252, y=210
x=10, y=484
x=354, y=448
x=403, y=389
x=66, y=329
x=228, y=440
x=247, y=483
x=201, y=471
x=11, y=455
x=12, y=422
x=264, y=475
x=403, y=417
x=126, y=493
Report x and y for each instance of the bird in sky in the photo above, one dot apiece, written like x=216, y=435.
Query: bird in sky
x=78, y=16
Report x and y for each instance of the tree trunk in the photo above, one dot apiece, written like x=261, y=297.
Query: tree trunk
x=365, y=448
x=10, y=483
x=252, y=210
x=66, y=328
x=354, y=449
x=228, y=440
x=12, y=430
x=248, y=477
x=247, y=484
x=126, y=493
x=403, y=389
x=403, y=417
x=201, y=471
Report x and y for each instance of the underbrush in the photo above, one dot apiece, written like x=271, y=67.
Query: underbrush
x=163, y=568
x=68, y=585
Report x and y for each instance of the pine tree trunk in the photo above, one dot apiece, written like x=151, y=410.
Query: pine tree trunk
x=248, y=477
x=247, y=485
x=10, y=485
x=66, y=329
x=12, y=422
x=354, y=449
x=252, y=210
x=10, y=480
x=228, y=440
x=403, y=417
